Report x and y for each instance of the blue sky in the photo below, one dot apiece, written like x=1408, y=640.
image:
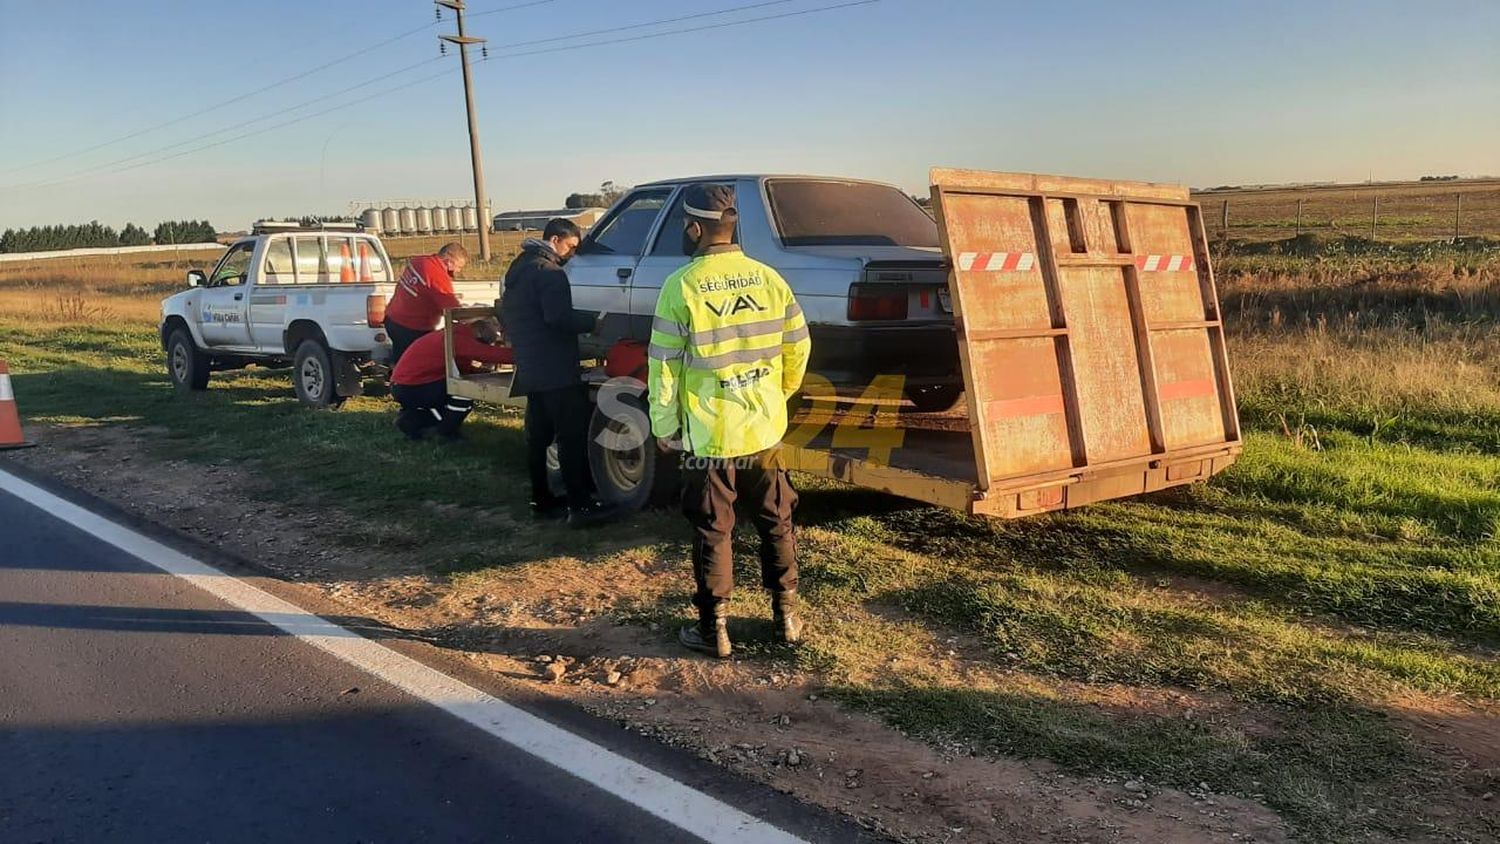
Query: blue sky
x=1191, y=92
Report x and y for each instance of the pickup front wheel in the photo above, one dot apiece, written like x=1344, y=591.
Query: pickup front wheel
x=187, y=366
x=313, y=377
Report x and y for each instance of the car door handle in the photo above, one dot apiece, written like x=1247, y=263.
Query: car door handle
x=624, y=273
x=238, y=296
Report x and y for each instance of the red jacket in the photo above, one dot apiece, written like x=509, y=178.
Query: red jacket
x=423, y=361
x=423, y=292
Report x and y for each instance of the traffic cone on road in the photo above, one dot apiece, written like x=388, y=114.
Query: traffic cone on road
x=10, y=417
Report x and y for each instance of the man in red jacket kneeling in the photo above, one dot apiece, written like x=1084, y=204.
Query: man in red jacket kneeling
x=420, y=381
x=423, y=292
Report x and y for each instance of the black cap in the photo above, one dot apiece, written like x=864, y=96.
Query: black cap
x=708, y=201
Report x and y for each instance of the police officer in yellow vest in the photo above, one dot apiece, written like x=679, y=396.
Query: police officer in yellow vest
x=729, y=346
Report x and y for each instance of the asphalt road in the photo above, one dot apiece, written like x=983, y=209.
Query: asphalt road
x=135, y=707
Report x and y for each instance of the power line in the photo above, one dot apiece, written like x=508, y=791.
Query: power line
x=253, y=93
x=511, y=8
x=703, y=28
x=645, y=25
x=251, y=122
x=563, y=48
x=223, y=103
x=271, y=128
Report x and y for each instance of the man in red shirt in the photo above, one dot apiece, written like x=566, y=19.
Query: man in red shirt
x=420, y=381
x=423, y=292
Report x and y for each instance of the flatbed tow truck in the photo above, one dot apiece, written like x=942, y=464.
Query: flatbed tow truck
x=1093, y=353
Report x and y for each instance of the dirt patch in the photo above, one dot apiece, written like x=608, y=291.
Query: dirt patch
x=548, y=623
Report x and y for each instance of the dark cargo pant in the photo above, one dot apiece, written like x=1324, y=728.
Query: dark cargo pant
x=428, y=405
x=710, y=487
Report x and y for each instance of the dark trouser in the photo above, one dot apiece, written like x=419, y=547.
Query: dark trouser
x=428, y=405
x=401, y=339
x=710, y=487
x=560, y=416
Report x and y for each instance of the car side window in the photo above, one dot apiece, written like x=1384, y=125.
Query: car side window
x=370, y=264
x=669, y=241
x=234, y=267
x=278, y=268
x=311, y=260
x=625, y=231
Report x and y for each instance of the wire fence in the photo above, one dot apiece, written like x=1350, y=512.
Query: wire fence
x=1419, y=211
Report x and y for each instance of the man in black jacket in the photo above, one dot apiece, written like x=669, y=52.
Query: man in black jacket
x=542, y=329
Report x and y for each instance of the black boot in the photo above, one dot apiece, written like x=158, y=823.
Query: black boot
x=710, y=635
x=788, y=620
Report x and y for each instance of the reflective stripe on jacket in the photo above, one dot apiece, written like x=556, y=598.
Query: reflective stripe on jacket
x=729, y=346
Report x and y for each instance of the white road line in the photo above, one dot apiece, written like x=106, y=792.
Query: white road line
x=660, y=795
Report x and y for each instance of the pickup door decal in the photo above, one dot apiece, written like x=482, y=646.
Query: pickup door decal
x=220, y=315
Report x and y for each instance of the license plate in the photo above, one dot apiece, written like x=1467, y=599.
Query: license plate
x=945, y=300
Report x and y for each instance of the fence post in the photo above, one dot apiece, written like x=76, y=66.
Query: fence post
x=1458, y=210
x=1299, y=217
x=1224, y=220
x=1374, y=215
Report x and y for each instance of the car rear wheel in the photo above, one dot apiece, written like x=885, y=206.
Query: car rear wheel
x=629, y=472
x=187, y=366
x=313, y=376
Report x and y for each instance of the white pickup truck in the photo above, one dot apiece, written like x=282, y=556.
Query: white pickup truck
x=313, y=297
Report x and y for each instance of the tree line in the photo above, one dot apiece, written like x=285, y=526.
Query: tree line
x=95, y=234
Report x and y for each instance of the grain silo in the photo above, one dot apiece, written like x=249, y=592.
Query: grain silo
x=424, y=219
x=390, y=221
x=408, y=221
x=455, y=218
x=370, y=218
x=440, y=219
x=471, y=219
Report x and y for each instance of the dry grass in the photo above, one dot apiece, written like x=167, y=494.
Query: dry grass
x=1380, y=338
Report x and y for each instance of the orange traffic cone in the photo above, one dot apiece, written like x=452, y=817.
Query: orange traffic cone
x=364, y=262
x=346, y=263
x=10, y=417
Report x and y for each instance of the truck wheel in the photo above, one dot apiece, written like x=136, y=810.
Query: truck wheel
x=936, y=398
x=313, y=376
x=187, y=366
x=629, y=472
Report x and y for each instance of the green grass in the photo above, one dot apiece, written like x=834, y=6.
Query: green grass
x=1348, y=560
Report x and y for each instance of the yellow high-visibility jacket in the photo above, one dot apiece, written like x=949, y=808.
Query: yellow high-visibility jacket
x=729, y=346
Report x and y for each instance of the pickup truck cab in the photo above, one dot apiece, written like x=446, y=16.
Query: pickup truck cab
x=312, y=297
x=862, y=258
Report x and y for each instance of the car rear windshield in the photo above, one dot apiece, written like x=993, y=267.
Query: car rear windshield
x=822, y=213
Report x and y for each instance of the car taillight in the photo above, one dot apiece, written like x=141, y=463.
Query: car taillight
x=375, y=310
x=877, y=301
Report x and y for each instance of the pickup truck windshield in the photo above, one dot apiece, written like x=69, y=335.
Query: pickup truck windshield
x=822, y=213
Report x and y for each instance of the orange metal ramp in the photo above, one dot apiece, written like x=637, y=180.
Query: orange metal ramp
x=1090, y=336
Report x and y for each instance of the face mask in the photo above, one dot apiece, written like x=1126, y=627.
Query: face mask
x=689, y=243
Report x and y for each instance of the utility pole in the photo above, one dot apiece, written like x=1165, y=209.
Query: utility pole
x=463, y=41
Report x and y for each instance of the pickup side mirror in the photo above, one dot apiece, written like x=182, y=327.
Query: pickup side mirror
x=196, y=278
